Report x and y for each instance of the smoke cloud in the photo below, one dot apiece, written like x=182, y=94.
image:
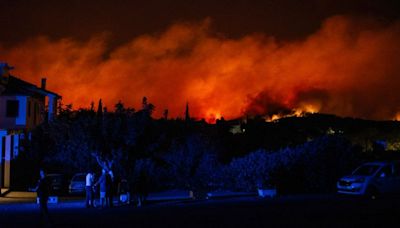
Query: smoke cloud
x=349, y=67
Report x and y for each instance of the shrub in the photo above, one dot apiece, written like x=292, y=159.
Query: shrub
x=312, y=167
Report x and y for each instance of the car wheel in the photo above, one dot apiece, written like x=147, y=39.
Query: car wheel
x=372, y=193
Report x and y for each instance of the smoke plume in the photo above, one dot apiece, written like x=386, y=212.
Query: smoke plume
x=349, y=67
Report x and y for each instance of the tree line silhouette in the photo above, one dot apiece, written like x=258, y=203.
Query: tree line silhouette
x=296, y=154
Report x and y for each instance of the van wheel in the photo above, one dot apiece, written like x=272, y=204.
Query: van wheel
x=372, y=193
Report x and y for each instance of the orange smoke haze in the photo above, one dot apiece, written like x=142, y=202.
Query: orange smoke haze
x=350, y=67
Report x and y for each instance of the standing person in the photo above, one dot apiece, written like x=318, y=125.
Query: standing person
x=110, y=188
x=89, y=189
x=103, y=188
x=42, y=190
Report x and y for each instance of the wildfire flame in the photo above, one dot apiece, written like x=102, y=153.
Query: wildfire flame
x=212, y=116
x=397, y=117
x=350, y=67
x=298, y=112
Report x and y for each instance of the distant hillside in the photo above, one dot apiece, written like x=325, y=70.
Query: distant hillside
x=257, y=133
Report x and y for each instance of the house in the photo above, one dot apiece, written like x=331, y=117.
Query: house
x=23, y=106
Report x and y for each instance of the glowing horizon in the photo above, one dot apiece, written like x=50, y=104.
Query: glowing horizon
x=349, y=67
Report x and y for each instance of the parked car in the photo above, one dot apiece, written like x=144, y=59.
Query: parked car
x=78, y=184
x=58, y=183
x=372, y=179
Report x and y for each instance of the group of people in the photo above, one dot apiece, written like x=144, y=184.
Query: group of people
x=106, y=187
x=105, y=183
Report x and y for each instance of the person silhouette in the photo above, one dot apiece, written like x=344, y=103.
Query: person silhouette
x=43, y=190
x=89, y=189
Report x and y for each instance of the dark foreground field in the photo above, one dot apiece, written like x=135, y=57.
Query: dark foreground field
x=292, y=211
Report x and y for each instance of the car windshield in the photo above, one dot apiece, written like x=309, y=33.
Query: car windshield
x=55, y=179
x=366, y=170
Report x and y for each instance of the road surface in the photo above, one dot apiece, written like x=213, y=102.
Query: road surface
x=285, y=211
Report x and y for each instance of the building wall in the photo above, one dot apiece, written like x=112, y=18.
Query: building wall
x=13, y=122
x=7, y=161
x=9, y=149
x=34, y=112
x=3, y=134
x=52, y=106
x=30, y=113
x=13, y=127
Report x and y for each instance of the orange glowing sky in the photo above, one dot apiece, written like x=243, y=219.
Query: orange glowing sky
x=349, y=67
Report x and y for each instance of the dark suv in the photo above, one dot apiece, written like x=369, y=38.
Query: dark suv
x=58, y=184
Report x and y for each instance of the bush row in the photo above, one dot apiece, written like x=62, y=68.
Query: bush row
x=312, y=167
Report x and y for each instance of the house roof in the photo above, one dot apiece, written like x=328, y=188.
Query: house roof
x=16, y=86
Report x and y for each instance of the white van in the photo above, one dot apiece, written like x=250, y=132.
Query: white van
x=372, y=179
